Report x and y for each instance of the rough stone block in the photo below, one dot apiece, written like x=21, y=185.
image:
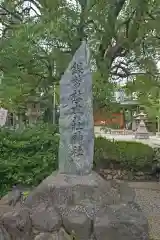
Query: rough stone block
x=120, y=222
x=76, y=222
x=46, y=236
x=4, y=234
x=18, y=223
x=46, y=219
x=65, y=189
x=61, y=235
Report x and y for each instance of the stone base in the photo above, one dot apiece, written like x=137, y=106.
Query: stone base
x=158, y=134
x=141, y=135
x=66, y=207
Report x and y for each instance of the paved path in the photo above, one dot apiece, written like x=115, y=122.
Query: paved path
x=153, y=141
x=148, y=197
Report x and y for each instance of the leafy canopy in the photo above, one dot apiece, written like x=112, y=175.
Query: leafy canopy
x=39, y=38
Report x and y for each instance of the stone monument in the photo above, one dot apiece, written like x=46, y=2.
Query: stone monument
x=33, y=111
x=141, y=132
x=75, y=202
x=3, y=116
x=76, y=116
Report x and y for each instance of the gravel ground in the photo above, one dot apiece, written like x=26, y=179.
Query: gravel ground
x=149, y=201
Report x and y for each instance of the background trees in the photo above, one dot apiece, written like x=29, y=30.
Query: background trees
x=39, y=38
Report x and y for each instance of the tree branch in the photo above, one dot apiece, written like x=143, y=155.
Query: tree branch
x=15, y=15
x=105, y=47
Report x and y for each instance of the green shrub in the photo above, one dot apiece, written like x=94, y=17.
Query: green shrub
x=28, y=157
x=157, y=155
x=135, y=155
x=129, y=155
x=105, y=152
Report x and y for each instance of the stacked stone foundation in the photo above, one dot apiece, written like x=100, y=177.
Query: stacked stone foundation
x=67, y=207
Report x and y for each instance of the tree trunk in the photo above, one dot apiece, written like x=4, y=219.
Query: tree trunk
x=158, y=124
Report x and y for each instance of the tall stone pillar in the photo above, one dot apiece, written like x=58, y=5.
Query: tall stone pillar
x=76, y=116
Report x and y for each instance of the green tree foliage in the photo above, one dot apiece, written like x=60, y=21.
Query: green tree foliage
x=39, y=38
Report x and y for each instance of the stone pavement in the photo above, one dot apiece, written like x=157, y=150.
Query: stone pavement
x=148, y=197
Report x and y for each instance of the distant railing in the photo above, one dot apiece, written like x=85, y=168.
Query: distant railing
x=121, y=132
x=117, y=131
